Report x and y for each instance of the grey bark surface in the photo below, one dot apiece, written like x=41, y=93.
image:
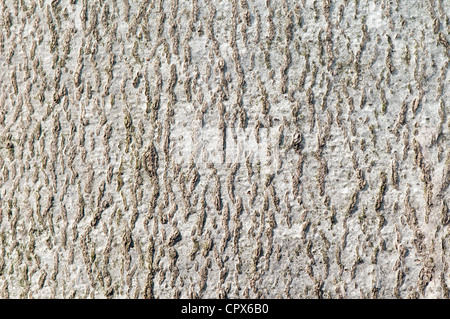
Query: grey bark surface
x=224, y=149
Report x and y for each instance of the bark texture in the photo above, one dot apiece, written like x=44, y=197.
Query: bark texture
x=224, y=149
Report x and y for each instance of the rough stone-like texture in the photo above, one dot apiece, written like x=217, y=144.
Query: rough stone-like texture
x=229, y=148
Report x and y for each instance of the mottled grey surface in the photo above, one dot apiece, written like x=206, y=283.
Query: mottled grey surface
x=229, y=148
